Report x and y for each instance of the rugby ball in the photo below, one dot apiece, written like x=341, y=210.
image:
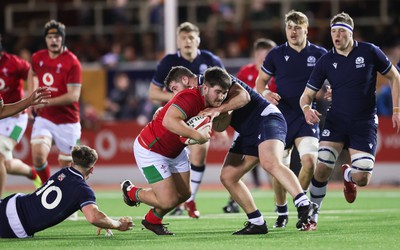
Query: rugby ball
x=199, y=123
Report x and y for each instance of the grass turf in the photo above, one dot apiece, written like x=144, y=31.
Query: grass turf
x=372, y=222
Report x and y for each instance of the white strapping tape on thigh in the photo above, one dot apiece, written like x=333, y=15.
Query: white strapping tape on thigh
x=269, y=110
x=42, y=140
x=287, y=156
x=308, y=145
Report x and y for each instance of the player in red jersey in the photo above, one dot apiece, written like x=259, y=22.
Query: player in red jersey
x=248, y=74
x=58, y=69
x=13, y=73
x=159, y=152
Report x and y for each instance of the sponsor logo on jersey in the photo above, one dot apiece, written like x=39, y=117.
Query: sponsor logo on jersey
x=311, y=60
x=360, y=62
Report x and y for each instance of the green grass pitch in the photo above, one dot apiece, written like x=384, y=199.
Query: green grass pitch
x=372, y=222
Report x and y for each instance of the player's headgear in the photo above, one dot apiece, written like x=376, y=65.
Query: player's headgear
x=54, y=27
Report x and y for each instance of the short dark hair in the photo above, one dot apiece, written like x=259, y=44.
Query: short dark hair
x=263, y=43
x=176, y=73
x=217, y=76
x=84, y=156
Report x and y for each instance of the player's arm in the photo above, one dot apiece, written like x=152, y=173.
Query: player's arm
x=72, y=95
x=174, y=122
x=99, y=219
x=31, y=83
x=311, y=115
x=39, y=96
x=262, y=88
x=394, y=81
x=157, y=93
x=237, y=98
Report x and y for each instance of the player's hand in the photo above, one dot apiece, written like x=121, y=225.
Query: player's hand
x=126, y=223
x=328, y=93
x=204, y=137
x=311, y=116
x=40, y=97
x=396, y=121
x=272, y=97
x=211, y=112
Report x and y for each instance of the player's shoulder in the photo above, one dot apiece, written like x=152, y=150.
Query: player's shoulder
x=208, y=54
x=71, y=55
x=315, y=47
x=246, y=68
x=40, y=54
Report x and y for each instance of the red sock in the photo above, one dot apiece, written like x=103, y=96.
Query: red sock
x=34, y=174
x=43, y=172
x=132, y=193
x=153, y=217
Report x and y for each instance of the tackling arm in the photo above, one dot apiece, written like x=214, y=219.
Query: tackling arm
x=157, y=94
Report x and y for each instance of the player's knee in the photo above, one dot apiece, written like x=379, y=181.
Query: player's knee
x=361, y=178
x=327, y=156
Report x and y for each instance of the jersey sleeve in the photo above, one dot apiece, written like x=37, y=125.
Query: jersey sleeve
x=218, y=62
x=382, y=62
x=75, y=74
x=268, y=66
x=189, y=103
x=86, y=197
x=23, y=68
x=162, y=71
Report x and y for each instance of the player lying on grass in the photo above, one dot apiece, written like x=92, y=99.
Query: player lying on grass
x=22, y=215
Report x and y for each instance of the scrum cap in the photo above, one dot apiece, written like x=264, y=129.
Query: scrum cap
x=54, y=27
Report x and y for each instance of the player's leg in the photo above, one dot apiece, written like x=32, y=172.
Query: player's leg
x=169, y=185
x=197, y=157
x=18, y=167
x=234, y=168
x=41, y=142
x=328, y=153
x=308, y=152
x=281, y=206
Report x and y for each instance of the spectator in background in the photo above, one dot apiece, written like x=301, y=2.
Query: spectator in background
x=112, y=58
x=121, y=101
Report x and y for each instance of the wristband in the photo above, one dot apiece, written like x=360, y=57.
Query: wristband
x=396, y=109
x=266, y=91
x=304, y=107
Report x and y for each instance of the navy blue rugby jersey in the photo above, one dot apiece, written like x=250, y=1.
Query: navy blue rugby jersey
x=352, y=79
x=64, y=193
x=204, y=60
x=245, y=119
x=291, y=70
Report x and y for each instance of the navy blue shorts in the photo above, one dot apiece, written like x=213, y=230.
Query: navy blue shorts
x=300, y=128
x=272, y=126
x=5, y=229
x=358, y=135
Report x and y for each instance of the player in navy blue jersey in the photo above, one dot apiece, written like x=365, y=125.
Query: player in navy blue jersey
x=351, y=68
x=191, y=57
x=23, y=215
x=291, y=64
x=262, y=131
